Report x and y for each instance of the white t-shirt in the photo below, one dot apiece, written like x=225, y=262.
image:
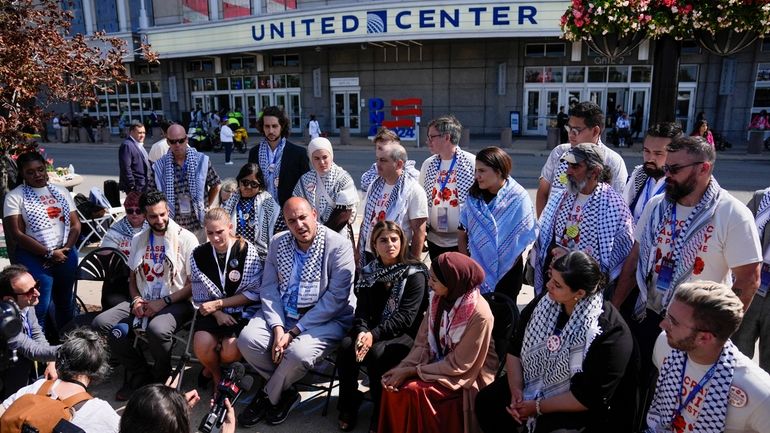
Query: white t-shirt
x=416, y=207
x=226, y=134
x=650, y=189
x=158, y=149
x=95, y=416
x=14, y=205
x=614, y=161
x=731, y=240
x=571, y=232
x=749, y=407
x=446, y=203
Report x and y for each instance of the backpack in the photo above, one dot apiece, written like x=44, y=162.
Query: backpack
x=40, y=411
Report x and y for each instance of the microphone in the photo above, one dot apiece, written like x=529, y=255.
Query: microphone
x=233, y=384
x=119, y=331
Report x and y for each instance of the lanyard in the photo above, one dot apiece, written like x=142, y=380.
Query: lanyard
x=703, y=381
x=674, y=233
x=241, y=219
x=222, y=272
x=156, y=258
x=647, y=189
x=448, y=173
x=25, y=323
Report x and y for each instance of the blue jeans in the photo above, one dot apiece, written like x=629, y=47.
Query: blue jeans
x=228, y=150
x=56, y=284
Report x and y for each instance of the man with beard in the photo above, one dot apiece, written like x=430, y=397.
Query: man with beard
x=695, y=231
x=188, y=181
x=585, y=124
x=159, y=295
x=306, y=310
x=282, y=162
x=588, y=216
x=705, y=384
x=647, y=180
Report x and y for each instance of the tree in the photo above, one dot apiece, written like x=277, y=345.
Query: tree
x=42, y=63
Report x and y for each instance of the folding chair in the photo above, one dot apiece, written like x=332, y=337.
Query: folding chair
x=102, y=264
x=506, y=314
x=98, y=226
x=325, y=384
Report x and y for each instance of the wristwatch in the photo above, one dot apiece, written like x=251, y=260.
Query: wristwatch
x=167, y=299
x=49, y=254
x=294, y=332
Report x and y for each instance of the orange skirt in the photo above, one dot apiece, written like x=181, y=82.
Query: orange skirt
x=421, y=407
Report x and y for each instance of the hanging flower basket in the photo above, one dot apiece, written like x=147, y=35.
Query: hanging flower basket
x=726, y=41
x=613, y=45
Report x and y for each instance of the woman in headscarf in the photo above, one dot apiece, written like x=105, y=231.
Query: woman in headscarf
x=44, y=223
x=225, y=273
x=570, y=366
x=497, y=223
x=328, y=188
x=252, y=209
x=391, y=298
x=434, y=387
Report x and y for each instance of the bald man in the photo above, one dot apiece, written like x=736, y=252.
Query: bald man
x=188, y=180
x=307, y=308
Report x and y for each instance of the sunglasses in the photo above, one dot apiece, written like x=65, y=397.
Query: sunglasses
x=674, y=169
x=246, y=183
x=178, y=141
x=133, y=211
x=31, y=291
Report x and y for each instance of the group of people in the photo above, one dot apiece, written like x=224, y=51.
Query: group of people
x=274, y=275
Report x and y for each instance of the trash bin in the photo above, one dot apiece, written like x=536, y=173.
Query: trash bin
x=553, y=138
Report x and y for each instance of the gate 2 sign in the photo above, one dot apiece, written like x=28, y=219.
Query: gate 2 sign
x=403, y=112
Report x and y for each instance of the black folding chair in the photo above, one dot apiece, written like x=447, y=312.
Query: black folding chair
x=506, y=314
x=108, y=265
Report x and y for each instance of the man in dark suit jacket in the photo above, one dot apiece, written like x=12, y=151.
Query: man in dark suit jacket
x=134, y=163
x=282, y=162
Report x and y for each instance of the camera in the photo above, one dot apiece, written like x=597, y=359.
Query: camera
x=232, y=385
x=10, y=326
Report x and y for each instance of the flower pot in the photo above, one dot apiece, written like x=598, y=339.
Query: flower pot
x=725, y=42
x=613, y=46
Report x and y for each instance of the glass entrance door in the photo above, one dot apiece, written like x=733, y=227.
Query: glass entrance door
x=532, y=113
x=685, y=105
x=346, y=111
x=637, y=109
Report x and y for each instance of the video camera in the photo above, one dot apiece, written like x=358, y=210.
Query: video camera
x=10, y=326
x=232, y=385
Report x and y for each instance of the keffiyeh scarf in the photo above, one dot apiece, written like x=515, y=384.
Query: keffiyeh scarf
x=195, y=168
x=668, y=393
x=258, y=227
x=371, y=175
x=453, y=323
x=763, y=213
x=605, y=230
x=205, y=289
x=548, y=370
x=689, y=238
x=307, y=291
x=124, y=227
x=395, y=208
x=271, y=175
x=463, y=169
x=39, y=221
x=325, y=192
x=499, y=232
x=397, y=274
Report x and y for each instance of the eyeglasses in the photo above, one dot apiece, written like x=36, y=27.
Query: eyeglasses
x=574, y=130
x=674, y=169
x=31, y=291
x=431, y=137
x=246, y=183
x=133, y=211
x=178, y=141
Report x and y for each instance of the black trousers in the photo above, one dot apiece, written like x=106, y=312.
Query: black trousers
x=491, y=402
x=435, y=250
x=382, y=356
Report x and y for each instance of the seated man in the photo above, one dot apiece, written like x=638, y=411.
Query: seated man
x=17, y=285
x=705, y=384
x=306, y=310
x=80, y=362
x=159, y=295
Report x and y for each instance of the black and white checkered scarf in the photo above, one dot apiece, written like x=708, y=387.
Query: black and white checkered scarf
x=205, y=289
x=37, y=216
x=763, y=213
x=548, y=373
x=464, y=168
x=605, y=230
x=689, y=239
x=196, y=166
x=339, y=188
x=271, y=176
x=311, y=271
x=264, y=210
x=396, y=274
x=124, y=227
x=668, y=393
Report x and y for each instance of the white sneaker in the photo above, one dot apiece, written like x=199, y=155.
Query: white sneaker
x=229, y=163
